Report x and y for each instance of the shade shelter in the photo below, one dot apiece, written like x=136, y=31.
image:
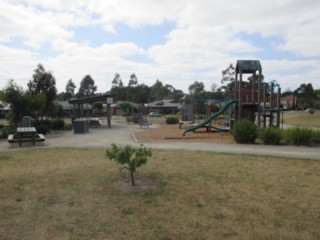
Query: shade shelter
x=254, y=103
x=105, y=98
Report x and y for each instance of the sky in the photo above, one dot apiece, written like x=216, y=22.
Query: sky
x=177, y=42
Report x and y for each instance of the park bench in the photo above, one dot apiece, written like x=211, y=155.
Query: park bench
x=144, y=122
x=38, y=138
x=94, y=122
x=134, y=119
x=26, y=134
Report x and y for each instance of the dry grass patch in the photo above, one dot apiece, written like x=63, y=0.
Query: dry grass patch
x=75, y=194
x=303, y=119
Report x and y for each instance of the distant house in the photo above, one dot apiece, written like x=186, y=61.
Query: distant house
x=289, y=102
x=166, y=106
x=4, y=109
x=116, y=109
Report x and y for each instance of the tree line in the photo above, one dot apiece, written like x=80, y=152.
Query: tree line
x=39, y=99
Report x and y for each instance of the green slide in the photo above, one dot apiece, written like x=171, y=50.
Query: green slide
x=209, y=119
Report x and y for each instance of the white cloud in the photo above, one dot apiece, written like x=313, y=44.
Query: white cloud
x=205, y=41
x=32, y=26
x=17, y=64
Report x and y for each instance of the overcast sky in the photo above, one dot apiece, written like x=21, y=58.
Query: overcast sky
x=175, y=41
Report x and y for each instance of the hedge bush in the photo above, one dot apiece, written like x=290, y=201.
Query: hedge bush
x=57, y=124
x=316, y=136
x=172, y=120
x=245, y=131
x=299, y=136
x=271, y=135
x=5, y=131
x=43, y=126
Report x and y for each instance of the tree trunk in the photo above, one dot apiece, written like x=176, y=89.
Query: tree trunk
x=132, y=178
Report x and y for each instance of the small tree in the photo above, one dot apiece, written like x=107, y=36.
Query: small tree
x=133, y=157
x=125, y=107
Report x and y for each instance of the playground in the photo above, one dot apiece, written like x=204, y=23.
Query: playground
x=162, y=132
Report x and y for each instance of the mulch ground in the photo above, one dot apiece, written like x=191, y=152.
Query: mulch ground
x=161, y=132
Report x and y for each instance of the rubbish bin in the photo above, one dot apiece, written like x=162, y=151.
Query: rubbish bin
x=80, y=126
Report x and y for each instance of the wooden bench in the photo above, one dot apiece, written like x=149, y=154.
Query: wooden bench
x=144, y=122
x=14, y=139
x=134, y=119
x=94, y=122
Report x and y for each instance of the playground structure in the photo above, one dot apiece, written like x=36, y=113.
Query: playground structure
x=187, y=114
x=250, y=98
x=272, y=112
x=207, y=122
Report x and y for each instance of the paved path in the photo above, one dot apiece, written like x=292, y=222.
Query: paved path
x=121, y=133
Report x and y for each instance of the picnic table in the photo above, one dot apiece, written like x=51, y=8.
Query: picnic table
x=26, y=134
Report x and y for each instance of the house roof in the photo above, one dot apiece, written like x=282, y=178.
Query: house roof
x=166, y=103
x=117, y=104
x=288, y=98
x=5, y=106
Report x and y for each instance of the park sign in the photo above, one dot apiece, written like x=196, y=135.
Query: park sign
x=109, y=100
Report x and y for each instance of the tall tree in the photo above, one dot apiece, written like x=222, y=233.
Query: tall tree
x=133, y=83
x=306, y=96
x=70, y=90
x=15, y=96
x=142, y=94
x=118, y=89
x=45, y=83
x=87, y=87
x=158, y=91
x=117, y=81
x=228, y=79
x=197, y=90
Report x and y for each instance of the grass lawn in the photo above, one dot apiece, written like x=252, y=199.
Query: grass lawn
x=4, y=122
x=303, y=119
x=78, y=194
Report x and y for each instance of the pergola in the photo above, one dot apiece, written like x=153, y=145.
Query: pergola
x=247, y=67
x=105, y=98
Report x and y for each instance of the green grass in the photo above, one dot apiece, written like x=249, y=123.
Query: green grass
x=303, y=119
x=4, y=122
x=78, y=194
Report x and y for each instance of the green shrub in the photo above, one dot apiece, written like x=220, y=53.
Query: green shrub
x=172, y=120
x=245, y=131
x=316, y=136
x=271, y=135
x=5, y=131
x=57, y=124
x=201, y=116
x=46, y=122
x=42, y=128
x=130, y=156
x=299, y=136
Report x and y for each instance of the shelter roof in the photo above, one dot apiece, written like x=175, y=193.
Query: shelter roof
x=67, y=106
x=91, y=99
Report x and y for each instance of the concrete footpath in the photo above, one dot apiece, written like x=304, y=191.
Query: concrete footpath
x=123, y=133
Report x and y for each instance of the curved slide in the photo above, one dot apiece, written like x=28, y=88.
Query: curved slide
x=209, y=119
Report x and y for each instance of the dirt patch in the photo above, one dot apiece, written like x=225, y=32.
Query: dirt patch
x=142, y=183
x=164, y=133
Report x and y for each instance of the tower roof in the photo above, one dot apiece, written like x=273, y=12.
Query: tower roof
x=248, y=66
